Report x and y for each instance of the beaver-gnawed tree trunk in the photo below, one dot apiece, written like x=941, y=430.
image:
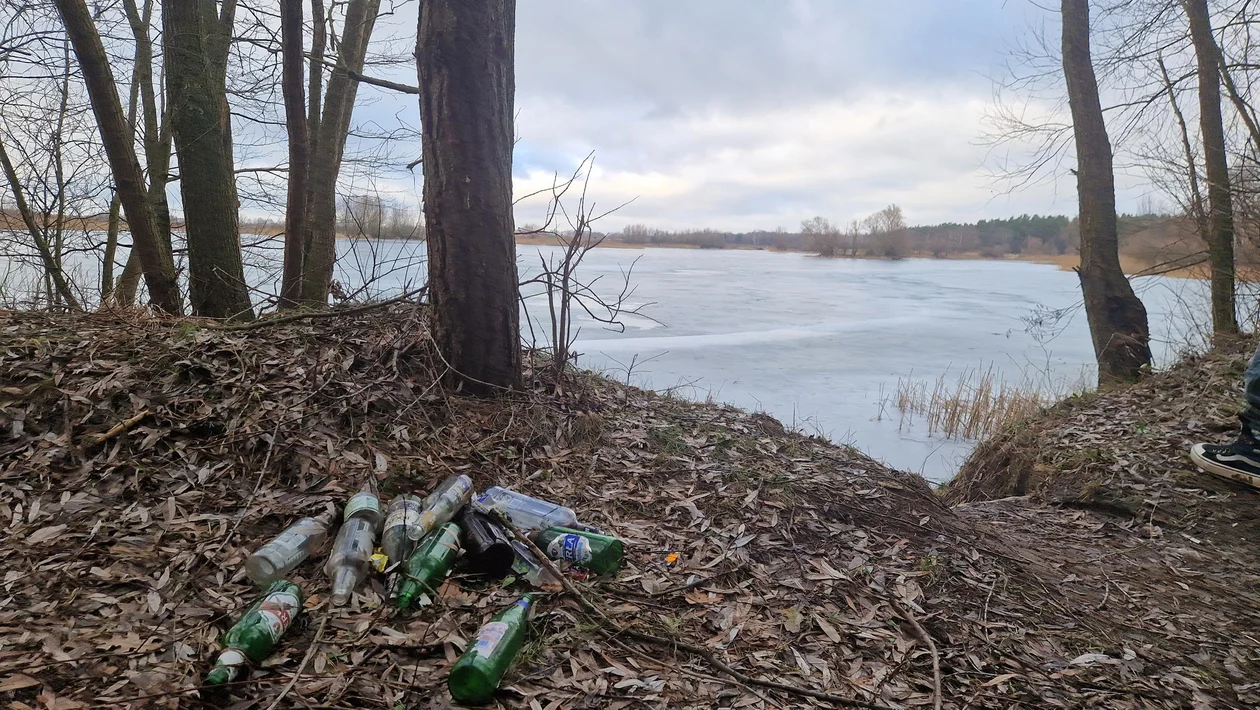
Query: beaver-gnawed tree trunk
x=1117, y=319
x=116, y=136
x=196, y=37
x=1220, y=232
x=465, y=56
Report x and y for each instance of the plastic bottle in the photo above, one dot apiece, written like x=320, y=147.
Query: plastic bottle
x=600, y=554
x=255, y=635
x=477, y=673
x=402, y=528
x=525, y=512
x=352, y=550
x=527, y=566
x=424, y=570
x=287, y=550
x=444, y=502
x=487, y=546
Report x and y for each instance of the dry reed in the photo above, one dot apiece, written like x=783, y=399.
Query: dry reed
x=976, y=403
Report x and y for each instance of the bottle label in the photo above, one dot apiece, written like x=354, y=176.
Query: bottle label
x=406, y=517
x=489, y=636
x=277, y=611
x=360, y=502
x=573, y=548
x=233, y=660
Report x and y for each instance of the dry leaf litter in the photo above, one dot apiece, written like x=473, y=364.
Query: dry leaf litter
x=143, y=460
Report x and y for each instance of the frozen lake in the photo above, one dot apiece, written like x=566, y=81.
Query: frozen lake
x=818, y=343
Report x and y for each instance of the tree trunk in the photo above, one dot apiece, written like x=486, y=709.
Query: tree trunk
x=157, y=135
x=1195, y=207
x=1220, y=235
x=154, y=256
x=196, y=38
x=325, y=162
x=111, y=251
x=295, y=123
x=52, y=269
x=1117, y=319
x=465, y=58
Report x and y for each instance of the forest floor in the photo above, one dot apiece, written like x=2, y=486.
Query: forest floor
x=142, y=460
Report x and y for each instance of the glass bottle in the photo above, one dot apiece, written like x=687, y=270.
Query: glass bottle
x=287, y=550
x=428, y=565
x=525, y=512
x=600, y=554
x=255, y=635
x=477, y=673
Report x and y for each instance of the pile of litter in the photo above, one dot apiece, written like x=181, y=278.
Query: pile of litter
x=420, y=541
x=146, y=460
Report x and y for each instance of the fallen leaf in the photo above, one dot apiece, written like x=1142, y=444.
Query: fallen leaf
x=45, y=534
x=17, y=681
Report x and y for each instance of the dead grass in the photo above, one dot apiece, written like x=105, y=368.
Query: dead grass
x=975, y=403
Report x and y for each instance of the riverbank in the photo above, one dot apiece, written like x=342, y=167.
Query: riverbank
x=146, y=458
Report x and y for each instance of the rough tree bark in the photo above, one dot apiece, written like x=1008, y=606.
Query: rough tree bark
x=295, y=124
x=1117, y=319
x=196, y=36
x=465, y=58
x=329, y=133
x=154, y=256
x=1220, y=234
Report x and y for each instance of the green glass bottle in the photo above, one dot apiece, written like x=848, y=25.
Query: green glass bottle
x=424, y=570
x=600, y=554
x=476, y=675
x=255, y=636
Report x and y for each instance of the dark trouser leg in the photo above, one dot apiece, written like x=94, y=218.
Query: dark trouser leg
x=1251, y=382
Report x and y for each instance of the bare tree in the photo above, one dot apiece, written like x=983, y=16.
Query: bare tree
x=1117, y=319
x=156, y=139
x=154, y=256
x=329, y=131
x=196, y=37
x=46, y=253
x=1220, y=233
x=296, y=126
x=465, y=59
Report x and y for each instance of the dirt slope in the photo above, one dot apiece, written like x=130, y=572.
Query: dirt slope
x=800, y=563
x=1169, y=552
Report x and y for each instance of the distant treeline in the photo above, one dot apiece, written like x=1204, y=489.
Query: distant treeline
x=885, y=235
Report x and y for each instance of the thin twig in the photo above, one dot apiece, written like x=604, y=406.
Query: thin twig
x=117, y=429
x=302, y=666
x=617, y=629
x=331, y=313
x=926, y=638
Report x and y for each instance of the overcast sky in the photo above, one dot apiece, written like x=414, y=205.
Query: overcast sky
x=755, y=114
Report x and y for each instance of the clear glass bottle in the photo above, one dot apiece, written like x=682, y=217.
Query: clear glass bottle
x=349, y=562
x=364, y=504
x=444, y=502
x=287, y=550
x=402, y=528
x=528, y=567
x=524, y=511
